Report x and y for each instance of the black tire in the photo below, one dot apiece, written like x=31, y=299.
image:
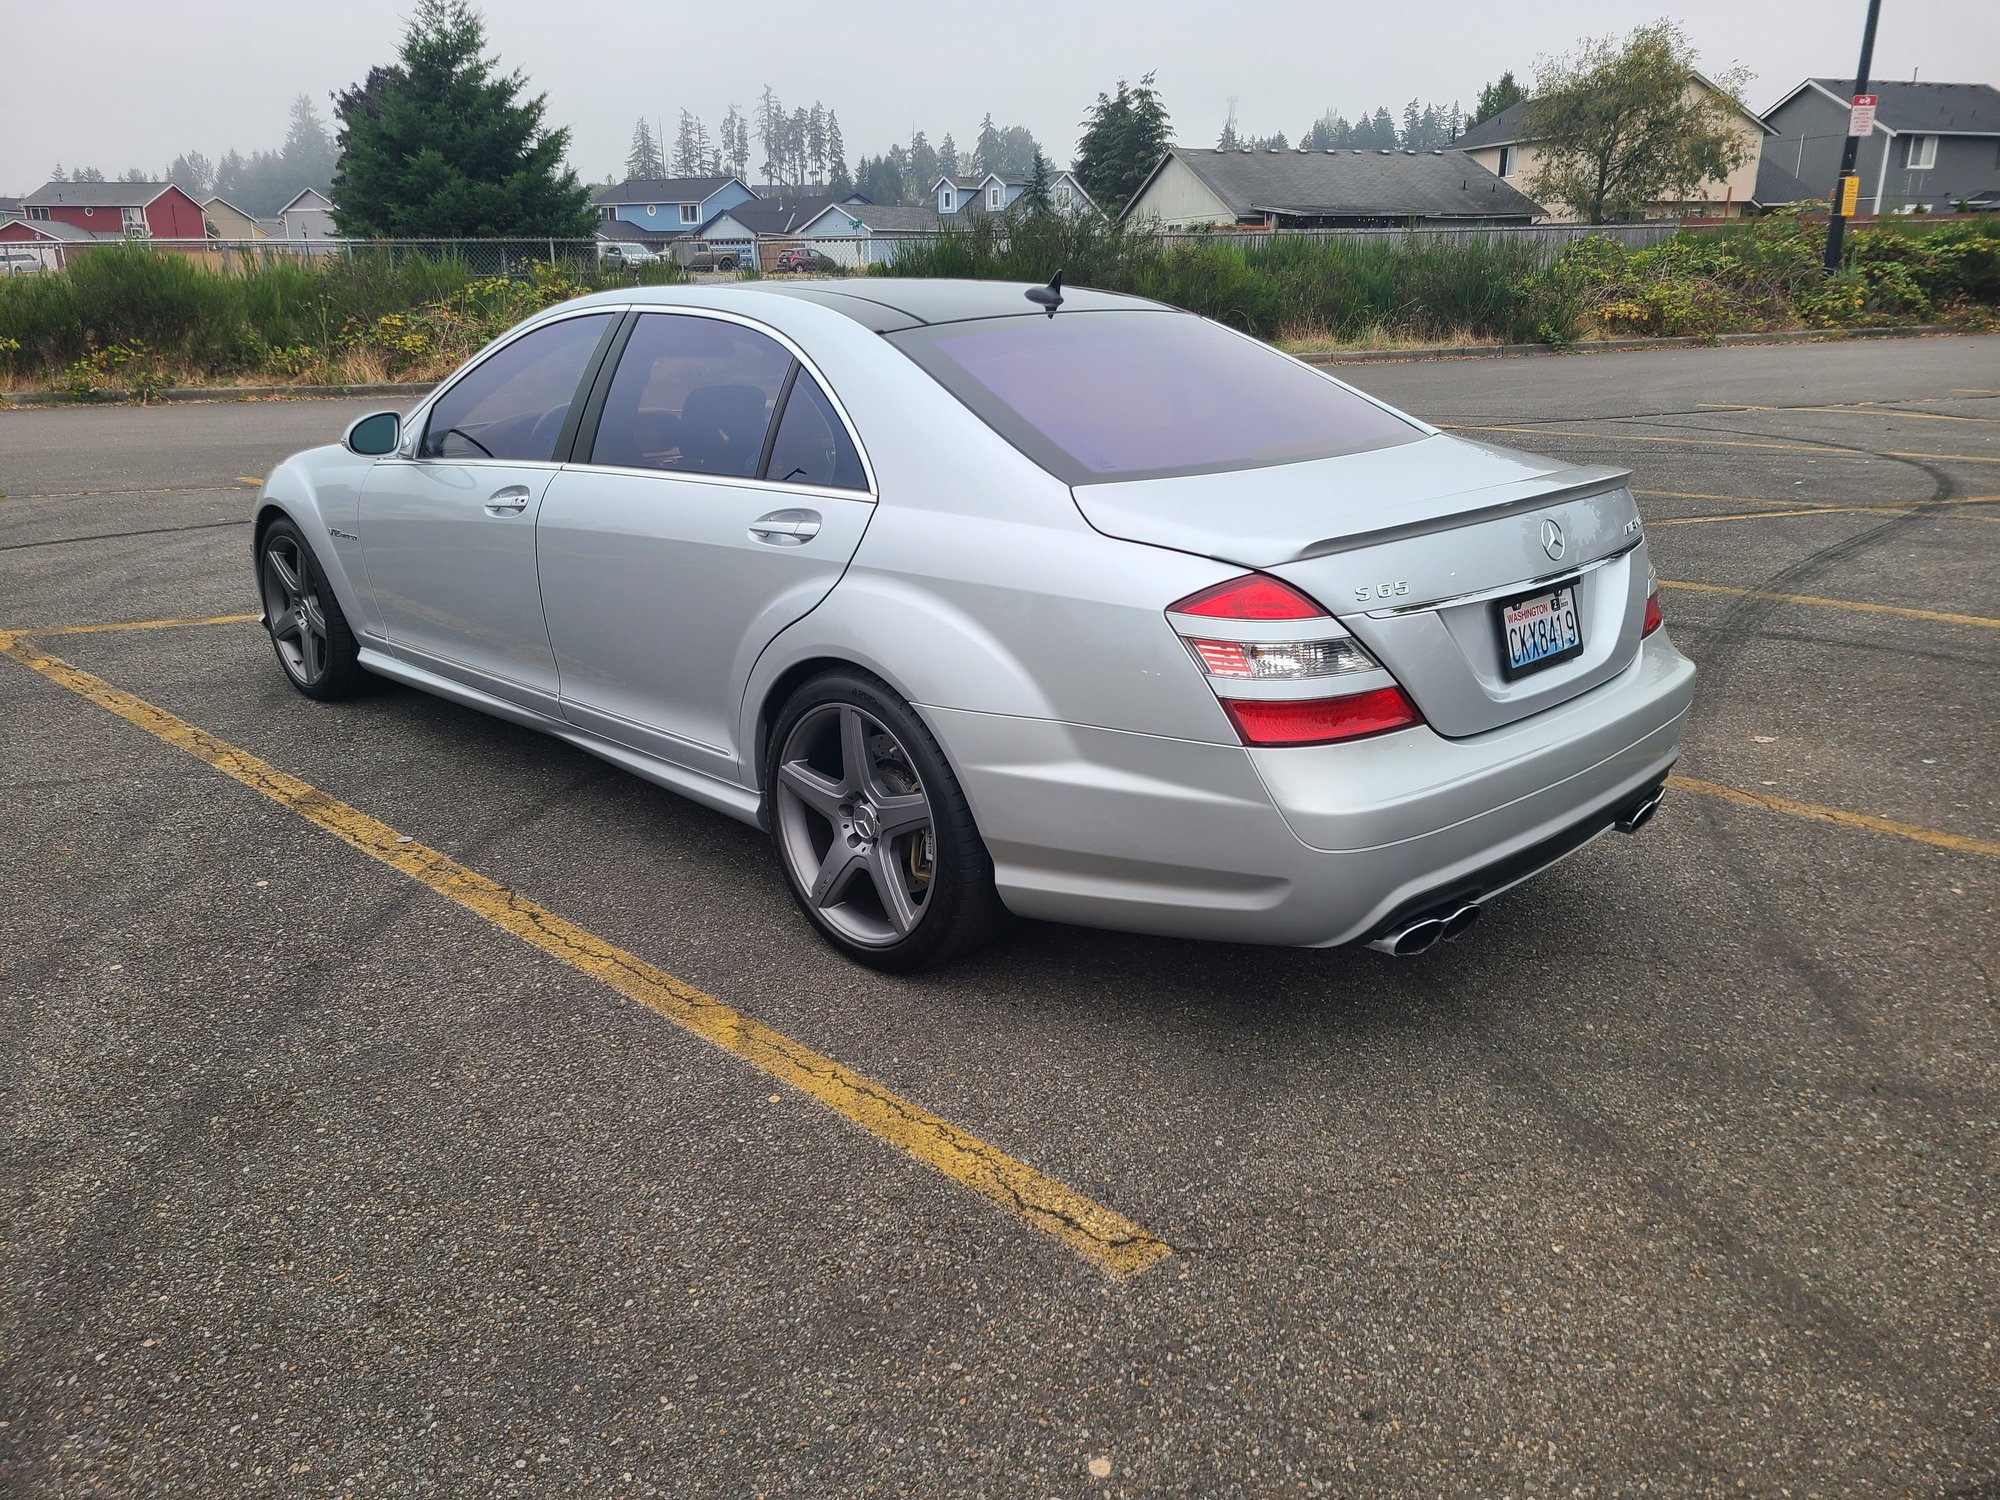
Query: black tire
x=308, y=630
x=959, y=910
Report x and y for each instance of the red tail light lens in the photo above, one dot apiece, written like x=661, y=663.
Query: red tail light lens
x=1320, y=721
x=1251, y=597
x=1653, y=617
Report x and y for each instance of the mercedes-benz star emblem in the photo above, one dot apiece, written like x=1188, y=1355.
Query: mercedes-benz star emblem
x=1552, y=539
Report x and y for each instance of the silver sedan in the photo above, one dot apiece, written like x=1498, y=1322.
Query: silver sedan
x=1070, y=606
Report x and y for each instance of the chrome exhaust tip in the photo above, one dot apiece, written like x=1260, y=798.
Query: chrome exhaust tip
x=1407, y=942
x=1456, y=924
x=1640, y=813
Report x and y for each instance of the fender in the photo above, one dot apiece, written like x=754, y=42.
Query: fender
x=320, y=490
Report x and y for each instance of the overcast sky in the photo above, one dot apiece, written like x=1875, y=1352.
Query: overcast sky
x=132, y=83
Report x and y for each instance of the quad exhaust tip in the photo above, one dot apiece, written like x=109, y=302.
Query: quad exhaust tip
x=1426, y=932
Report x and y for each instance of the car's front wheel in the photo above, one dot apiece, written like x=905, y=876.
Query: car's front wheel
x=877, y=842
x=308, y=630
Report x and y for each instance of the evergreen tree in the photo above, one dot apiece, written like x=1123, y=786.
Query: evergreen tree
x=921, y=172
x=816, y=140
x=986, y=151
x=948, y=157
x=643, y=162
x=838, y=182
x=1034, y=199
x=86, y=174
x=1018, y=150
x=1229, y=140
x=308, y=157
x=1413, y=126
x=771, y=123
x=735, y=143
x=193, y=174
x=59, y=175
x=1502, y=93
x=441, y=144
x=1124, y=136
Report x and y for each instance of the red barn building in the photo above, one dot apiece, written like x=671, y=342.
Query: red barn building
x=118, y=210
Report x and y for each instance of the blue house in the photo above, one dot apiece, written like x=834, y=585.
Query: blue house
x=962, y=197
x=669, y=205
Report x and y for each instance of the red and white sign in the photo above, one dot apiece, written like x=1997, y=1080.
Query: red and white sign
x=1861, y=118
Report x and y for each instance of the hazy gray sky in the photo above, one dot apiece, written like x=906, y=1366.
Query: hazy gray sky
x=125, y=83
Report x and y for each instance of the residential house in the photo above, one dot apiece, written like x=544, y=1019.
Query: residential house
x=1505, y=148
x=10, y=208
x=51, y=241
x=1304, y=189
x=670, y=205
x=1932, y=144
x=858, y=234
x=118, y=210
x=961, y=198
x=228, y=222
x=307, y=217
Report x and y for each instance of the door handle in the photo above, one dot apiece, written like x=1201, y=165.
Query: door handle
x=510, y=501
x=786, y=528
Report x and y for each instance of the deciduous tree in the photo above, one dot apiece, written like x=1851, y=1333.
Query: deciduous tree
x=1620, y=126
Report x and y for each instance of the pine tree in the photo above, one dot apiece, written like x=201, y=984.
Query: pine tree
x=643, y=163
x=838, y=182
x=1034, y=199
x=1124, y=136
x=986, y=151
x=308, y=157
x=1502, y=93
x=440, y=144
x=948, y=157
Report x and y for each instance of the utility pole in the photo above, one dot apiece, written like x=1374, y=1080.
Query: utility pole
x=1846, y=191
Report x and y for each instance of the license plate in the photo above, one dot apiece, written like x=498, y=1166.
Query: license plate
x=1539, y=630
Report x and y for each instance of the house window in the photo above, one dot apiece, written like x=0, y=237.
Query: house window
x=38, y=213
x=1506, y=161
x=1063, y=199
x=945, y=202
x=135, y=221
x=993, y=195
x=651, y=209
x=1921, y=153
x=690, y=213
x=607, y=213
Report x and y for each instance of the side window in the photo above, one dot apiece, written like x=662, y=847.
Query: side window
x=812, y=447
x=513, y=404
x=691, y=394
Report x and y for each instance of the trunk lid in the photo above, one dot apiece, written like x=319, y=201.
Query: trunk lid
x=1414, y=548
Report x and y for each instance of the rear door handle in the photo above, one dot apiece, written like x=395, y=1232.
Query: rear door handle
x=786, y=528
x=510, y=501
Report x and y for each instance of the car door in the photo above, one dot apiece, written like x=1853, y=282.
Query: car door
x=448, y=523
x=716, y=497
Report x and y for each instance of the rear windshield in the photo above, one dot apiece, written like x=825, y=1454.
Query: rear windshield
x=1099, y=396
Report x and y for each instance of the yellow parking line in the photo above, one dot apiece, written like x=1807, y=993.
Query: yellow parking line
x=1692, y=442
x=39, y=630
x=1854, y=604
x=248, y=479
x=1956, y=842
x=1767, y=515
x=1114, y=1243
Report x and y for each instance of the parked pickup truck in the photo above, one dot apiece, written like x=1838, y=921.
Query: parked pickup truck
x=707, y=258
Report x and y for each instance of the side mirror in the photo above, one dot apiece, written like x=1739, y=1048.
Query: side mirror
x=373, y=435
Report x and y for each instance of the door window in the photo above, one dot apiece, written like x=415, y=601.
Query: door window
x=512, y=405
x=691, y=394
x=812, y=446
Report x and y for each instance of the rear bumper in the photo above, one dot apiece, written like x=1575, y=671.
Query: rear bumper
x=1311, y=846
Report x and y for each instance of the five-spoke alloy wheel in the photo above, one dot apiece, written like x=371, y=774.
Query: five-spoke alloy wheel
x=307, y=627
x=875, y=838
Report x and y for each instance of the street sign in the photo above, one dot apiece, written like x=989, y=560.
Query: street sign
x=1861, y=118
x=1850, y=194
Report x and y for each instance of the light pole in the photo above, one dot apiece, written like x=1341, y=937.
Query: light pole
x=1836, y=224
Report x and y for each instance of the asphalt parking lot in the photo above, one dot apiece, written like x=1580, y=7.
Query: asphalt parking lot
x=1676, y=1175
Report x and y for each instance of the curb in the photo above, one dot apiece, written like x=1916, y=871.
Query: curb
x=1628, y=346
x=414, y=389
x=226, y=393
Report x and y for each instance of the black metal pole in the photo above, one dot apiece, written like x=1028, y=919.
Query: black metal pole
x=1836, y=225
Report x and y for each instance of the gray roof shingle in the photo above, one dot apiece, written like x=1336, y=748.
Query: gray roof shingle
x=1502, y=129
x=1776, y=185
x=659, y=190
x=95, y=194
x=1373, y=184
x=1929, y=108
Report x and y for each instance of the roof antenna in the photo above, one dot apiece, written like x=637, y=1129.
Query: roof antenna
x=1049, y=296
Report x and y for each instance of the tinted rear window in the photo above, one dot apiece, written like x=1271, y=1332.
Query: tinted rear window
x=1098, y=396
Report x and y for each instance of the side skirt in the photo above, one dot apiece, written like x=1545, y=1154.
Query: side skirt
x=738, y=802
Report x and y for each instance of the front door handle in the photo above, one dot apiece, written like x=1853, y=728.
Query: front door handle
x=786, y=528
x=510, y=501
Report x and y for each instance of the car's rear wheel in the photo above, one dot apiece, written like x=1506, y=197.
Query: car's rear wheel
x=308, y=630
x=877, y=842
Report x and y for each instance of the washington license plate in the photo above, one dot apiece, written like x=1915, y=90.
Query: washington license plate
x=1539, y=631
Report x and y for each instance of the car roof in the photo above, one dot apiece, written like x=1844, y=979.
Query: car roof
x=887, y=303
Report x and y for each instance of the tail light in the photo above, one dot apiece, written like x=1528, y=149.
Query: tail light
x=1653, y=617
x=1235, y=633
